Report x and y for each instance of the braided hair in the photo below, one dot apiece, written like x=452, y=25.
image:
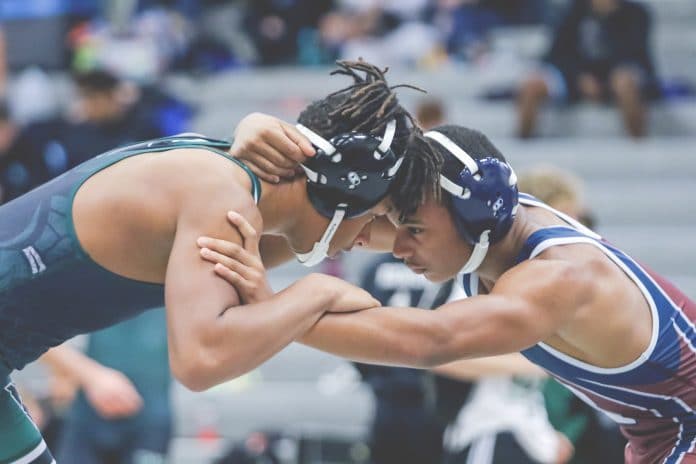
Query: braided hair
x=367, y=106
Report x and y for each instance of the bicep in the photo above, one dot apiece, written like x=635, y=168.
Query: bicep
x=194, y=295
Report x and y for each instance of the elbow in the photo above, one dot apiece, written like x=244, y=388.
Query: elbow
x=205, y=369
x=191, y=374
x=191, y=381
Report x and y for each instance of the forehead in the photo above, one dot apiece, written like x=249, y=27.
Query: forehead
x=430, y=212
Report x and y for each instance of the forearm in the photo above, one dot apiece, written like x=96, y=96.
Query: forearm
x=475, y=369
x=388, y=336
x=70, y=362
x=471, y=328
x=245, y=336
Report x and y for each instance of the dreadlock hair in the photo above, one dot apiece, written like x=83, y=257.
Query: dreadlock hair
x=367, y=106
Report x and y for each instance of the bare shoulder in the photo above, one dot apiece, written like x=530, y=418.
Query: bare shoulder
x=208, y=182
x=553, y=280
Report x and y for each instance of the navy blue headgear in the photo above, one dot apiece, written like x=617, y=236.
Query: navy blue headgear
x=484, y=199
x=347, y=176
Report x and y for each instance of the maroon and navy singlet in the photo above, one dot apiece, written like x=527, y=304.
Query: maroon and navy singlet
x=653, y=398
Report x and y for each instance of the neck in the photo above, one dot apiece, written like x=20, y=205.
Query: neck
x=278, y=205
x=287, y=211
x=501, y=256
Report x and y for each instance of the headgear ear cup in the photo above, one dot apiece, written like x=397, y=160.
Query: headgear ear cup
x=347, y=176
x=484, y=199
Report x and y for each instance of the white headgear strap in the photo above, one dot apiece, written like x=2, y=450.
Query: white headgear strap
x=481, y=246
x=321, y=248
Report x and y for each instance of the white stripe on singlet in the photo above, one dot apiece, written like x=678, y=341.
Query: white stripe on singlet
x=33, y=454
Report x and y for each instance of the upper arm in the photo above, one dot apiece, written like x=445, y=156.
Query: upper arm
x=194, y=295
x=528, y=304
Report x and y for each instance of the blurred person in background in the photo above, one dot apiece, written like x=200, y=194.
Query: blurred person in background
x=503, y=417
x=3, y=65
x=430, y=112
x=8, y=134
x=404, y=427
x=600, y=52
x=106, y=115
x=538, y=282
x=128, y=222
x=278, y=27
x=122, y=412
x=393, y=32
x=558, y=188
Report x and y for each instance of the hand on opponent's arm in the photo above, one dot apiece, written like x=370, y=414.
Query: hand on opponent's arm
x=215, y=332
x=241, y=266
x=271, y=148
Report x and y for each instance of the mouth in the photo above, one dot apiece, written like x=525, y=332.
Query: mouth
x=416, y=269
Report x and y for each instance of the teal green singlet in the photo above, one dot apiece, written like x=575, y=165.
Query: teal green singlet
x=50, y=289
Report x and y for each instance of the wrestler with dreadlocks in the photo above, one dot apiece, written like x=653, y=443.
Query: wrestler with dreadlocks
x=118, y=235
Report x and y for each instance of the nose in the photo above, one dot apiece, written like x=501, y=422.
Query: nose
x=363, y=238
x=401, y=248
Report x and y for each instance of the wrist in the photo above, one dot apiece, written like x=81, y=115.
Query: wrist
x=315, y=289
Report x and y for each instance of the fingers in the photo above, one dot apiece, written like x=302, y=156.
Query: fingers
x=116, y=402
x=290, y=144
x=244, y=270
x=249, y=234
x=278, y=149
x=273, y=179
x=303, y=146
x=271, y=161
x=232, y=277
x=249, y=253
x=243, y=285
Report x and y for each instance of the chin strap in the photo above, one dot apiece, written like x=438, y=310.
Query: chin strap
x=478, y=255
x=321, y=248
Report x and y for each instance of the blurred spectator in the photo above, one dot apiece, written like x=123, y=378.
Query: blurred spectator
x=137, y=46
x=34, y=97
x=3, y=65
x=596, y=439
x=220, y=40
x=122, y=412
x=8, y=135
x=404, y=428
x=107, y=114
x=504, y=417
x=390, y=32
x=556, y=187
x=430, y=112
x=465, y=24
x=560, y=189
x=599, y=52
x=275, y=27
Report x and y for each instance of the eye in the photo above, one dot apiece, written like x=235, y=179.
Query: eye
x=415, y=230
